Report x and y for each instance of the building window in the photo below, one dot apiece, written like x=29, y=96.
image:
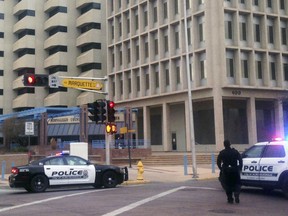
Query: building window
x=271, y=34
x=91, y=66
x=178, y=74
x=203, y=74
x=176, y=7
x=128, y=53
x=147, y=79
x=269, y=3
x=26, y=13
x=177, y=38
x=230, y=64
x=90, y=46
x=90, y=26
x=155, y=19
x=243, y=28
x=273, y=70
x=137, y=51
x=57, y=10
x=256, y=2
x=282, y=4
x=284, y=36
x=166, y=42
x=25, y=32
x=201, y=29
x=165, y=10
x=167, y=77
x=145, y=16
x=129, y=85
x=259, y=69
x=245, y=68
x=56, y=30
x=146, y=45
x=156, y=49
x=257, y=35
x=1, y=16
x=90, y=6
x=285, y=71
x=157, y=78
x=58, y=49
x=136, y=20
x=228, y=27
x=138, y=83
x=26, y=51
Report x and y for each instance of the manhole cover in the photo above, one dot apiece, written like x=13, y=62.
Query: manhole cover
x=222, y=211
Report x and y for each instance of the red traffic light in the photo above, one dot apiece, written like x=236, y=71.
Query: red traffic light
x=34, y=80
x=111, y=104
x=31, y=79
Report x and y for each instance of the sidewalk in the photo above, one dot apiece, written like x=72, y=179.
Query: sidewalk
x=171, y=173
x=159, y=174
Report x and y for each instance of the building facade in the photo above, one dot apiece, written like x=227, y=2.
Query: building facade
x=62, y=38
x=238, y=61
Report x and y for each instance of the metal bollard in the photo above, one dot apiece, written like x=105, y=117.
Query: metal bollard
x=3, y=170
x=185, y=162
x=213, y=162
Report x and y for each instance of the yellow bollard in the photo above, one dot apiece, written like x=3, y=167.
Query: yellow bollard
x=140, y=168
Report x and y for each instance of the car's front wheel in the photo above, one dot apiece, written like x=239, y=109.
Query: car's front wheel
x=109, y=179
x=285, y=186
x=39, y=183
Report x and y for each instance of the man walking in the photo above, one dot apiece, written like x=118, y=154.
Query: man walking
x=230, y=163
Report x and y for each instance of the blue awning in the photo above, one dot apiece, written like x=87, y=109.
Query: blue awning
x=74, y=129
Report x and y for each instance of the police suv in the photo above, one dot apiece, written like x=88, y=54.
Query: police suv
x=65, y=169
x=265, y=165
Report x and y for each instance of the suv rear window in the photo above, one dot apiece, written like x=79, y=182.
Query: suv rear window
x=254, y=152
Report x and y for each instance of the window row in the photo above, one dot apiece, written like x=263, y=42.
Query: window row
x=258, y=31
x=267, y=6
x=258, y=68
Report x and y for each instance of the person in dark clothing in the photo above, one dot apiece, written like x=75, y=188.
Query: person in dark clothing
x=230, y=163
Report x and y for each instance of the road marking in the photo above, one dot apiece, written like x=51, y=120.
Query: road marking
x=50, y=199
x=142, y=202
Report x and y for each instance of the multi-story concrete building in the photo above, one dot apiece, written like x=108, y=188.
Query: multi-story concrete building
x=63, y=38
x=238, y=60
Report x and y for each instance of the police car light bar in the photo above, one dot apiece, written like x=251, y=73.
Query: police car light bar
x=277, y=139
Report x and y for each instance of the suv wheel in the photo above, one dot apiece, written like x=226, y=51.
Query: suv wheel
x=285, y=186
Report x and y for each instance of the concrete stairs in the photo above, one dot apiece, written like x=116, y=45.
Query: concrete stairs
x=176, y=159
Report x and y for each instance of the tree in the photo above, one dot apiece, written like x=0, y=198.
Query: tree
x=13, y=131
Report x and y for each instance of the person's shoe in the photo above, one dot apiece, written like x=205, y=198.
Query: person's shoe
x=230, y=201
x=237, y=200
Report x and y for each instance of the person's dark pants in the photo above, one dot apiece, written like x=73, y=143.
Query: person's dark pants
x=230, y=182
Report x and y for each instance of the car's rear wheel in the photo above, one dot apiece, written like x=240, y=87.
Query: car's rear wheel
x=285, y=186
x=109, y=179
x=39, y=183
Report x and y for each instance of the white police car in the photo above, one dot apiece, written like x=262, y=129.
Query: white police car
x=65, y=169
x=265, y=165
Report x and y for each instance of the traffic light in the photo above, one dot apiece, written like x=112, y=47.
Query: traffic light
x=97, y=110
x=111, y=128
x=110, y=111
x=34, y=80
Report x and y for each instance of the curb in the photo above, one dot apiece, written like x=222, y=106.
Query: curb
x=135, y=182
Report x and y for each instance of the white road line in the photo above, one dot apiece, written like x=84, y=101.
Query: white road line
x=49, y=199
x=141, y=202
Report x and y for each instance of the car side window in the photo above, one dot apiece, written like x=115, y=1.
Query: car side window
x=274, y=151
x=54, y=161
x=75, y=161
x=254, y=152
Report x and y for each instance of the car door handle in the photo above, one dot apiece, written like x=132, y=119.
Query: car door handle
x=281, y=161
x=71, y=169
x=253, y=161
x=47, y=168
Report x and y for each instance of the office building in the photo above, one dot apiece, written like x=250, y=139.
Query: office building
x=238, y=61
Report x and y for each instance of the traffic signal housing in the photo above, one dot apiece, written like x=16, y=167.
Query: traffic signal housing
x=98, y=111
x=35, y=80
x=110, y=111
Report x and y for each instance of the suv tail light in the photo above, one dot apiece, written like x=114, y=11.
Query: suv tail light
x=14, y=170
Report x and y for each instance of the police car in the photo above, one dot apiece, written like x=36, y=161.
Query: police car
x=265, y=165
x=63, y=170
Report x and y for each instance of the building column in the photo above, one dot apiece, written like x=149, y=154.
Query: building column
x=146, y=125
x=219, y=122
x=279, y=119
x=166, y=127
x=251, y=121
